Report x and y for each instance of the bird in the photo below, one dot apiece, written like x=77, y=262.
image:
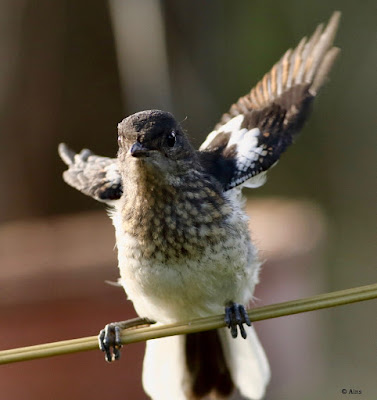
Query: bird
x=184, y=248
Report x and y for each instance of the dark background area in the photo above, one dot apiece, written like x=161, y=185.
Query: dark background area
x=71, y=70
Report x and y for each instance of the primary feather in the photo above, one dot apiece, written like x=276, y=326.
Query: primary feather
x=260, y=126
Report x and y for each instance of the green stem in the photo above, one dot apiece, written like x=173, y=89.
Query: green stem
x=201, y=324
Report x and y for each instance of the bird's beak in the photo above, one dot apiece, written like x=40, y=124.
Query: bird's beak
x=138, y=150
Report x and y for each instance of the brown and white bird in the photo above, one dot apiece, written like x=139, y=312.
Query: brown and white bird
x=184, y=249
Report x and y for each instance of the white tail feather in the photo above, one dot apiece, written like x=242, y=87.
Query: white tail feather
x=165, y=375
x=247, y=363
x=164, y=368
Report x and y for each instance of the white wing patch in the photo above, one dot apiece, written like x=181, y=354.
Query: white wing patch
x=246, y=143
x=233, y=125
x=244, y=140
x=241, y=144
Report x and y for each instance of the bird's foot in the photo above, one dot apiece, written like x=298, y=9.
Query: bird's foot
x=109, y=339
x=236, y=316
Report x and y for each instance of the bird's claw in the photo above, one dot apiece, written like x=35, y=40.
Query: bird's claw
x=236, y=316
x=110, y=342
x=109, y=339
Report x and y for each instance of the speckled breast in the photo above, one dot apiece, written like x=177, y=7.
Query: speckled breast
x=184, y=259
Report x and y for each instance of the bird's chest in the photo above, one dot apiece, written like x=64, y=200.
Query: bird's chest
x=180, y=256
x=168, y=224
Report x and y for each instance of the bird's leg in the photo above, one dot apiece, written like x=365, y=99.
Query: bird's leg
x=235, y=316
x=109, y=338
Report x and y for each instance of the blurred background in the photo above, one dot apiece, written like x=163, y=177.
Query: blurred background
x=71, y=70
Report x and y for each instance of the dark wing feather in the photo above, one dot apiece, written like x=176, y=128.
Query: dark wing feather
x=253, y=134
x=95, y=176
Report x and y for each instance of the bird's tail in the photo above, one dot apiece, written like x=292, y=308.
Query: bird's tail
x=199, y=364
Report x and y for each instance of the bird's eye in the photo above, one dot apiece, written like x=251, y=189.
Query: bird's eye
x=171, y=139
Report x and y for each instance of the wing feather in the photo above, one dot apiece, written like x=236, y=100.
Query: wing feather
x=95, y=176
x=262, y=124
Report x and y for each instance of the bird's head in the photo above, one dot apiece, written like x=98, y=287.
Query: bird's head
x=154, y=138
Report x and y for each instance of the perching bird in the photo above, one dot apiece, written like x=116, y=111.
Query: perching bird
x=184, y=249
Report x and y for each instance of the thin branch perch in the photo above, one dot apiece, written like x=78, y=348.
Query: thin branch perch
x=327, y=300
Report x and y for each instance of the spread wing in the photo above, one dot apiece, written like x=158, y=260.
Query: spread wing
x=95, y=176
x=252, y=135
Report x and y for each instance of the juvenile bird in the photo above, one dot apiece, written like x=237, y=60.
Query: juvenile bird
x=184, y=249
